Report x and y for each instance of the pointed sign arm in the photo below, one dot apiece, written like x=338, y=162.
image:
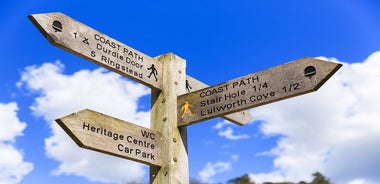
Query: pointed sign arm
x=96, y=131
x=278, y=83
x=81, y=40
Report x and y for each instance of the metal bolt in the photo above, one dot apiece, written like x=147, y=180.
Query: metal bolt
x=174, y=139
x=163, y=100
x=164, y=119
x=176, y=83
x=175, y=159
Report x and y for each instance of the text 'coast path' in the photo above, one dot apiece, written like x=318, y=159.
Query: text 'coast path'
x=271, y=85
x=79, y=39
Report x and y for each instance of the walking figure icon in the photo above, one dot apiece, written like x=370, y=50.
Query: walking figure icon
x=188, y=87
x=153, y=71
x=186, y=109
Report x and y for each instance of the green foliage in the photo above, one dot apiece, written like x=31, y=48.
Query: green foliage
x=241, y=180
x=319, y=179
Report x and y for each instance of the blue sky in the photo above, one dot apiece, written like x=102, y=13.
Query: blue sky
x=334, y=130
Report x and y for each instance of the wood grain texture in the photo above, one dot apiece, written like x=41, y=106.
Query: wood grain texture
x=99, y=48
x=278, y=83
x=96, y=131
x=94, y=46
x=175, y=166
x=240, y=118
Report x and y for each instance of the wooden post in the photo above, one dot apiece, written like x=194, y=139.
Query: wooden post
x=175, y=167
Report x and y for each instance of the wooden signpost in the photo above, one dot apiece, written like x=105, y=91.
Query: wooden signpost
x=277, y=83
x=177, y=100
x=239, y=118
x=95, y=131
x=79, y=39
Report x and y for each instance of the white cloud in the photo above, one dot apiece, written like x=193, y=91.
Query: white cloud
x=228, y=132
x=12, y=165
x=334, y=131
x=212, y=169
x=59, y=94
x=361, y=181
x=9, y=120
x=221, y=124
x=235, y=157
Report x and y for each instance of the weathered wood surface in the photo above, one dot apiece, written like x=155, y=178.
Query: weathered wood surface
x=79, y=39
x=271, y=85
x=175, y=166
x=239, y=118
x=96, y=131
